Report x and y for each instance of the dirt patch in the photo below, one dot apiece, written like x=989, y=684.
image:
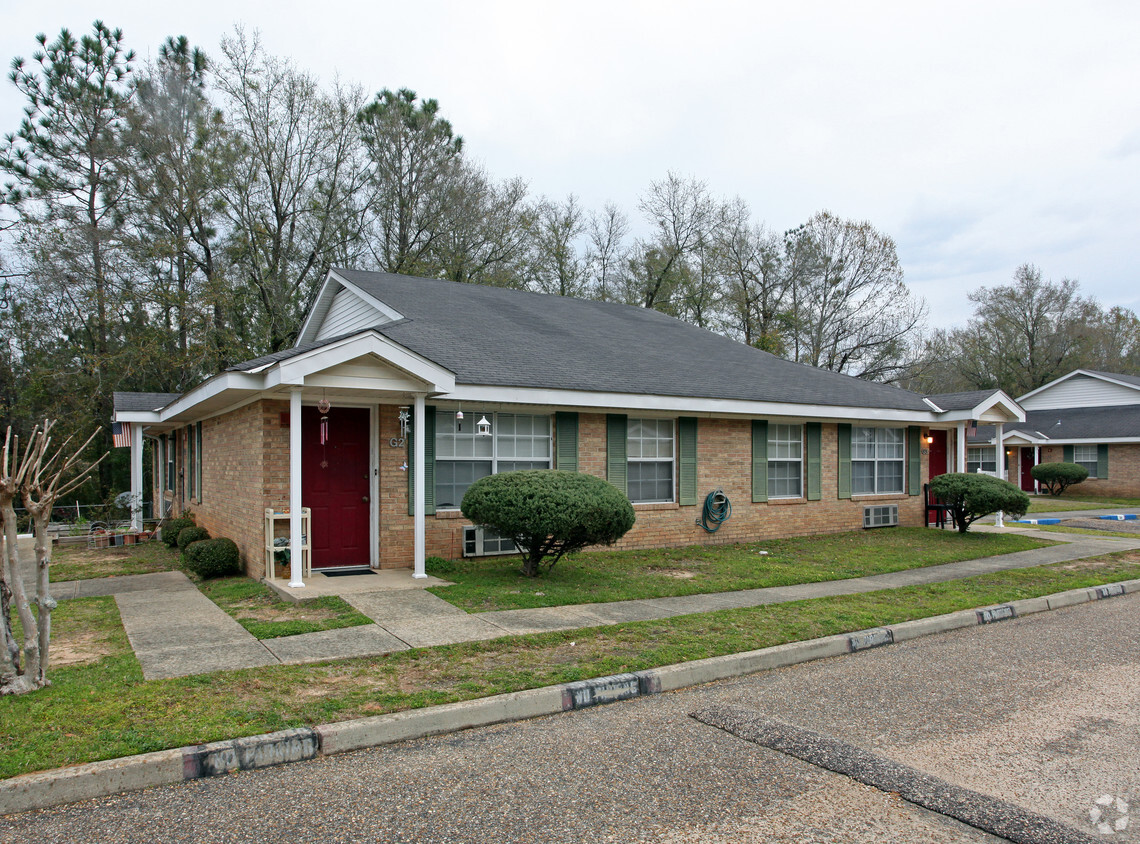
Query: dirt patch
x=1096, y=563
x=293, y=612
x=678, y=574
x=75, y=649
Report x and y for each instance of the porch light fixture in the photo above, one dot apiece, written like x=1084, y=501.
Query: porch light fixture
x=483, y=428
x=929, y=438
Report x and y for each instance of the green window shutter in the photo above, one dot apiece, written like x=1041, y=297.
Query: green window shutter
x=429, y=463
x=914, y=455
x=759, y=459
x=1068, y=454
x=814, y=432
x=198, y=457
x=616, y=469
x=687, y=456
x=843, y=449
x=566, y=441
x=1102, y=461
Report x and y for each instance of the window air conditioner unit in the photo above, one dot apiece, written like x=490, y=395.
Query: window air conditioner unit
x=479, y=541
x=882, y=515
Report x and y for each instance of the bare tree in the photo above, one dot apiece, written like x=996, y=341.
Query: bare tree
x=606, y=254
x=851, y=310
x=755, y=288
x=40, y=477
x=294, y=200
x=556, y=264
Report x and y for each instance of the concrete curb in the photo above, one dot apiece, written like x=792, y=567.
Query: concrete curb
x=133, y=773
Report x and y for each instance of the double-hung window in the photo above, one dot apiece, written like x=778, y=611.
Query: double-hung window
x=1086, y=455
x=649, y=444
x=981, y=458
x=517, y=441
x=785, y=461
x=878, y=458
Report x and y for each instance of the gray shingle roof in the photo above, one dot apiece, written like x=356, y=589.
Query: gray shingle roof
x=499, y=337
x=1127, y=379
x=141, y=402
x=1076, y=423
x=961, y=401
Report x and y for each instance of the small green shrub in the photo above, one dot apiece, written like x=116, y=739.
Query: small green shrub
x=209, y=558
x=549, y=513
x=191, y=534
x=968, y=497
x=171, y=529
x=1057, y=477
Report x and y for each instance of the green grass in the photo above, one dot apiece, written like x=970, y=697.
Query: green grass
x=260, y=611
x=494, y=583
x=104, y=709
x=1054, y=504
x=69, y=562
x=1119, y=534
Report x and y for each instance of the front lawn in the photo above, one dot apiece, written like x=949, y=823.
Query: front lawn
x=71, y=562
x=259, y=610
x=99, y=706
x=1054, y=504
x=495, y=583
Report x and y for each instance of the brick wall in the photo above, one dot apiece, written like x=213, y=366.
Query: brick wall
x=1123, y=471
x=724, y=461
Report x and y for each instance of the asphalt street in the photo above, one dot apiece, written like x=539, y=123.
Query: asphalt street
x=1041, y=712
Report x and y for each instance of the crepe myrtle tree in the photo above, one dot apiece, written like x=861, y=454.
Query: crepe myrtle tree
x=39, y=476
x=968, y=497
x=549, y=513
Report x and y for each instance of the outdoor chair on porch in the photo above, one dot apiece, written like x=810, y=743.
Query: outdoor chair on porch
x=934, y=506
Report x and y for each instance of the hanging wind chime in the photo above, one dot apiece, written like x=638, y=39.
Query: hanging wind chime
x=324, y=405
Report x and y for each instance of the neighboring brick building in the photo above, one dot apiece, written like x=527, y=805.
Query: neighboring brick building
x=402, y=389
x=1086, y=417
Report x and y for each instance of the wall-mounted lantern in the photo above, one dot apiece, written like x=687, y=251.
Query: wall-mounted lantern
x=483, y=428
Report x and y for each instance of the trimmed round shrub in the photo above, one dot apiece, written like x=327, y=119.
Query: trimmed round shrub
x=549, y=513
x=968, y=497
x=212, y=557
x=171, y=529
x=1057, y=477
x=191, y=534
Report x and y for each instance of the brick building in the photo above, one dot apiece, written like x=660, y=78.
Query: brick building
x=400, y=392
x=1086, y=417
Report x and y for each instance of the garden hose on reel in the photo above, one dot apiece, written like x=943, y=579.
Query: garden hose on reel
x=716, y=511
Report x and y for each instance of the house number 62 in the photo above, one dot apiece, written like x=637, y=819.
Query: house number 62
x=396, y=442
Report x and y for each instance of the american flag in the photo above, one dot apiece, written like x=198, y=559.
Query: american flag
x=972, y=430
x=121, y=434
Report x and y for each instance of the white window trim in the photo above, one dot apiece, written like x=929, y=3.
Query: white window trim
x=992, y=449
x=876, y=460
x=671, y=460
x=771, y=427
x=1092, y=465
x=474, y=416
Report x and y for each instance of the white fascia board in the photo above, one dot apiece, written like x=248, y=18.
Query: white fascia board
x=1007, y=404
x=476, y=394
x=292, y=371
x=383, y=307
x=221, y=383
x=1087, y=373
x=147, y=417
x=1090, y=440
x=332, y=285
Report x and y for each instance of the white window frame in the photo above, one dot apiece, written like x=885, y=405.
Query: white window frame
x=1092, y=464
x=775, y=441
x=671, y=460
x=471, y=418
x=976, y=457
x=877, y=460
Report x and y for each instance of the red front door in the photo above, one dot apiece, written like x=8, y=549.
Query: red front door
x=937, y=453
x=1027, y=482
x=334, y=485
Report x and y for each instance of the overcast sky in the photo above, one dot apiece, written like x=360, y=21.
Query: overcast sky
x=979, y=135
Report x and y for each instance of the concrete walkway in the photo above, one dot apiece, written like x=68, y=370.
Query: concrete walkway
x=176, y=631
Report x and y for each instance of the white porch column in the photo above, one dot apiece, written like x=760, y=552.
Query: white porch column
x=999, y=519
x=418, y=462
x=136, y=476
x=960, y=448
x=296, y=557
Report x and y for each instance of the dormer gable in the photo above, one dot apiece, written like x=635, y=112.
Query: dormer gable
x=342, y=308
